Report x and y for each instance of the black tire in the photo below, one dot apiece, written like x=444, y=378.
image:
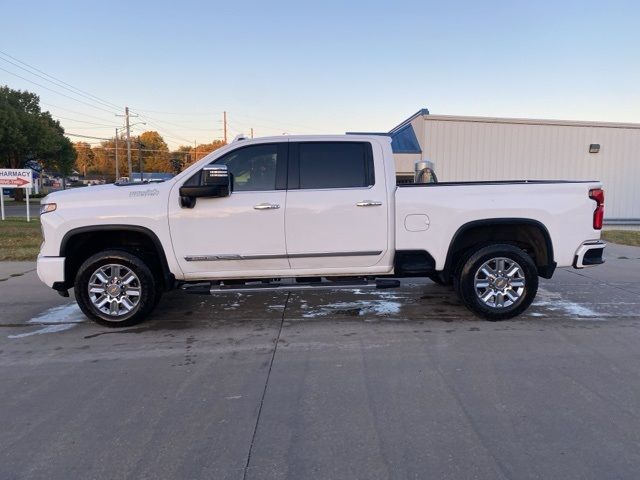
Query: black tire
x=149, y=293
x=526, y=282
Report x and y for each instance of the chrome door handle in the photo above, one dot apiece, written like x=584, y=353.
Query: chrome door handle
x=368, y=203
x=266, y=206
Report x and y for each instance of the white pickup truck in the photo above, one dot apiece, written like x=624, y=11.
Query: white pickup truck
x=322, y=211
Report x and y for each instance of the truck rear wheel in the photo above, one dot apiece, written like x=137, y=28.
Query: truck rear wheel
x=116, y=289
x=497, y=282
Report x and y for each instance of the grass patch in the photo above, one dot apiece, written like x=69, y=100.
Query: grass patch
x=623, y=237
x=19, y=239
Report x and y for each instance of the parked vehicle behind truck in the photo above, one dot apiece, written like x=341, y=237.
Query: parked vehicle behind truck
x=324, y=211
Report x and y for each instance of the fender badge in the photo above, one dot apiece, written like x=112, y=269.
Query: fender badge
x=145, y=193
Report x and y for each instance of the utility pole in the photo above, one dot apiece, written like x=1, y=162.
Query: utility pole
x=126, y=116
x=117, y=166
x=195, y=150
x=140, y=160
x=224, y=120
x=251, y=132
x=126, y=111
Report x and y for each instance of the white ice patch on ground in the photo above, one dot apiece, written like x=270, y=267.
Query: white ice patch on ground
x=377, y=293
x=382, y=303
x=364, y=307
x=56, y=319
x=555, y=303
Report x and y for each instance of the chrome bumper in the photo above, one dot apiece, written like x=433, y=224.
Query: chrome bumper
x=589, y=254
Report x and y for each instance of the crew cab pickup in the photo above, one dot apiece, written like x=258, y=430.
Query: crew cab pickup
x=299, y=212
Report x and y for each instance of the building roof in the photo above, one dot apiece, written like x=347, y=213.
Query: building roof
x=531, y=121
x=420, y=113
x=403, y=137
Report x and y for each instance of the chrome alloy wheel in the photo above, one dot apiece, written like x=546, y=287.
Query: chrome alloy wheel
x=114, y=290
x=499, y=282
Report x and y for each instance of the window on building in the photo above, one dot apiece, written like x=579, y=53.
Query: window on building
x=335, y=165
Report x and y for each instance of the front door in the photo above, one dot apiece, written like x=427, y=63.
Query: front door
x=337, y=212
x=244, y=232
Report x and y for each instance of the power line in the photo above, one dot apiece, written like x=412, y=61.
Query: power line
x=144, y=150
x=168, y=133
x=56, y=81
x=91, y=128
x=84, y=121
x=55, y=91
x=231, y=127
x=171, y=133
x=251, y=118
x=76, y=112
x=85, y=136
x=180, y=113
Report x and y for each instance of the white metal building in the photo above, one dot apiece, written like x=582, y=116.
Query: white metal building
x=478, y=148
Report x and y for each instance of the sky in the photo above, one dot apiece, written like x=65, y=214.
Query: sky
x=320, y=67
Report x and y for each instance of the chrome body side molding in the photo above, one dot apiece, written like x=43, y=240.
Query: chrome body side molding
x=223, y=257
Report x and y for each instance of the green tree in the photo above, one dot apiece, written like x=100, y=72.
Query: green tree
x=105, y=158
x=195, y=154
x=85, y=157
x=27, y=133
x=155, y=153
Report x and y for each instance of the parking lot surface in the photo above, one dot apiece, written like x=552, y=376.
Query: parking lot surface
x=368, y=384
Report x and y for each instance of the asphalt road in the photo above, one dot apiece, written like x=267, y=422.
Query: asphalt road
x=361, y=384
x=11, y=210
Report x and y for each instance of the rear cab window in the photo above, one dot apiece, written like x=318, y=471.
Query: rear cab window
x=330, y=165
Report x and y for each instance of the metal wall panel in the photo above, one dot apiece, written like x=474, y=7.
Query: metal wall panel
x=503, y=149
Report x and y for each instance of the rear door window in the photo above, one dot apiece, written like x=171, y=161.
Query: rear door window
x=333, y=165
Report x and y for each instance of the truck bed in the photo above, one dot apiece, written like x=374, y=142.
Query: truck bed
x=562, y=207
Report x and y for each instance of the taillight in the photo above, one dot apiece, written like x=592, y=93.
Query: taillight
x=597, y=194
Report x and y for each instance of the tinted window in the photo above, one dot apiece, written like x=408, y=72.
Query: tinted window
x=253, y=168
x=335, y=165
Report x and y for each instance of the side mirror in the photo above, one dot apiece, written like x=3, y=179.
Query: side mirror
x=215, y=181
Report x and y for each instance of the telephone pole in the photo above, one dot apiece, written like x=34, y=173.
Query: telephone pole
x=126, y=112
x=126, y=116
x=117, y=166
x=140, y=160
x=251, y=132
x=224, y=117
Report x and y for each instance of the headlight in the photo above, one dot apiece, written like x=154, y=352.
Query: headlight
x=47, y=207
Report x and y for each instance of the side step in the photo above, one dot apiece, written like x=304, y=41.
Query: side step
x=214, y=288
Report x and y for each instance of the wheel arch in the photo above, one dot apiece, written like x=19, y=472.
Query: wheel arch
x=527, y=233
x=80, y=243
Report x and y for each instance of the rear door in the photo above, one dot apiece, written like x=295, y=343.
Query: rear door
x=336, y=215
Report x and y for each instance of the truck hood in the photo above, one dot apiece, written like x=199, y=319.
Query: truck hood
x=109, y=198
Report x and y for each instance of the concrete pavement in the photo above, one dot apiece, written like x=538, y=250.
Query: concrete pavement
x=360, y=384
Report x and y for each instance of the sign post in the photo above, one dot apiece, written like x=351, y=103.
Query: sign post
x=16, y=178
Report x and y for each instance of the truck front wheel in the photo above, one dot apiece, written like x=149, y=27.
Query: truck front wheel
x=115, y=289
x=497, y=282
